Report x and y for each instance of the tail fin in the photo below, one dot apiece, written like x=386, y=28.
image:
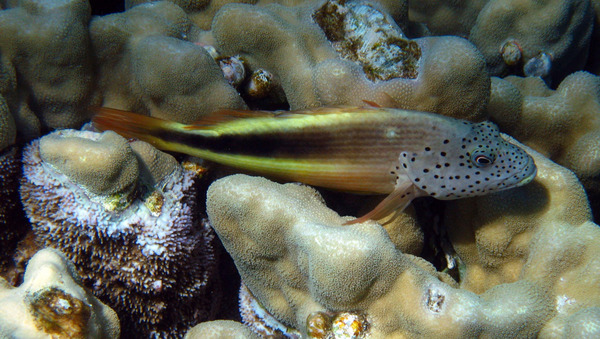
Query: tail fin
x=132, y=125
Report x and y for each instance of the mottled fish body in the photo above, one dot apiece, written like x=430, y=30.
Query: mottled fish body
x=405, y=154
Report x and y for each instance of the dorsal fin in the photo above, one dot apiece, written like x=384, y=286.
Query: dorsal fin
x=372, y=104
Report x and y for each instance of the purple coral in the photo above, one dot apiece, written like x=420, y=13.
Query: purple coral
x=143, y=250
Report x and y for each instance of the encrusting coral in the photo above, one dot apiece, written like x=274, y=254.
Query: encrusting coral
x=50, y=92
x=562, y=124
x=51, y=303
x=126, y=215
x=332, y=53
x=553, y=36
x=549, y=38
x=220, y=329
x=530, y=253
x=446, y=17
x=148, y=61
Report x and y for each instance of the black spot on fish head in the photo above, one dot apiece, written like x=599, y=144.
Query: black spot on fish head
x=476, y=163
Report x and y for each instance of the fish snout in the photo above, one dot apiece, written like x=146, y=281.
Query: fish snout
x=528, y=172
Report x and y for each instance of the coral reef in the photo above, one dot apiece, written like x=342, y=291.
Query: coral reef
x=437, y=74
x=13, y=224
x=147, y=62
x=446, y=17
x=46, y=92
x=553, y=35
x=8, y=130
x=130, y=217
x=549, y=38
x=525, y=251
x=220, y=329
x=126, y=215
x=562, y=124
x=51, y=304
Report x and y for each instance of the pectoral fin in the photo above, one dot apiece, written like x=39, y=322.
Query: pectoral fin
x=402, y=195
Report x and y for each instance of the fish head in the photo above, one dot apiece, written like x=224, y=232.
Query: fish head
x=475, y=161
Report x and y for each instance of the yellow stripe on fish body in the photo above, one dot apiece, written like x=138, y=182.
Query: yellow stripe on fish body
x=370, y=150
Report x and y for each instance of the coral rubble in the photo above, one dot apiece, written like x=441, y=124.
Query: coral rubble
x=132, y=229
x=51, y=304
x=299, y=263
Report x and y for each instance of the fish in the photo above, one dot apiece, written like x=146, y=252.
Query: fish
x=370, y=150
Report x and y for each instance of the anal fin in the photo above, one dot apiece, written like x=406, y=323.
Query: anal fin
x=402, y=195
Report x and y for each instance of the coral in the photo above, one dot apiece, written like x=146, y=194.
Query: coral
x=562, y=124
x=50, y=92
x=446, y=17
x=51, y=304
x=220, y=329
x=377, y=62
x=593, y=65
x=13, y=224
x=103, y=164
x=530, y=253
x=553, y=35
x=8, y=131
x=147, y=62
x=138, y=242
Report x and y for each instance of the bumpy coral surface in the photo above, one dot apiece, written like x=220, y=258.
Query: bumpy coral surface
x=220, y=329
x=446, y=17
x=51, y=303
x=8, y=130
x=56, y=89
x=562, y=124
x=147, y=63
x=322, y=58
x=318, y=277
x=553, y=35
x=140, y=245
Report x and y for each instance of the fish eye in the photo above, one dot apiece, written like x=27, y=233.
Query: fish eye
x=482, y=159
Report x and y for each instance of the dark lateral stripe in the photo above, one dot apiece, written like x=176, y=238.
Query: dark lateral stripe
x=366, y=143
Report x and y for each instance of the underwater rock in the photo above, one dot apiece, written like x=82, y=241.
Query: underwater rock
x=56, y=89
x=138, y=242
x=299, y=263
x=562, y=124
x=446, y=75
x=551, y=30
x=51, y=304
x=147, y=63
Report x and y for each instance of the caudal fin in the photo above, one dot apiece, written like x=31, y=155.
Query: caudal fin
x=132, y=125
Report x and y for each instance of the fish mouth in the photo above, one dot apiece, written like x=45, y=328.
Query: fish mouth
x=531, y=171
